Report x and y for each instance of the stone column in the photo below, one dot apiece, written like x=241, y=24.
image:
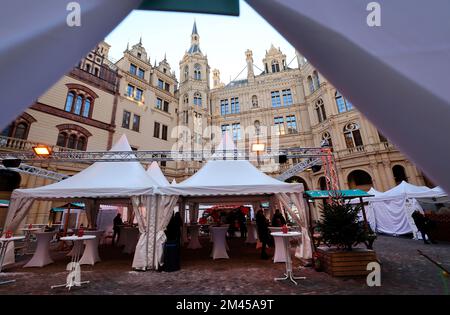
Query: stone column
x=390, y=181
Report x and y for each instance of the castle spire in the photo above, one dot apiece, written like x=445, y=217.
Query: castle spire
x=194, y=29
x=195, y=40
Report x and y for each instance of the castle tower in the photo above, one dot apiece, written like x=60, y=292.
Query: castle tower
x=194, y=109
x=274, y=61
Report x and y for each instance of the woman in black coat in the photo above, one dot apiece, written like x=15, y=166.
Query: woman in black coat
x=263, y=232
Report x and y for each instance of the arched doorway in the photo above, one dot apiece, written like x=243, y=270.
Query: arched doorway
x=399, y=174
x=323, y=183
x=359, y=179
x=298, y=179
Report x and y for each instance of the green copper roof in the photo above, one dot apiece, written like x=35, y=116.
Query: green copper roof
x=347, y=194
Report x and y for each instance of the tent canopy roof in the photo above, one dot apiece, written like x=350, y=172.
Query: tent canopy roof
x=229, y=177
x=157, y=175
x=100, y=180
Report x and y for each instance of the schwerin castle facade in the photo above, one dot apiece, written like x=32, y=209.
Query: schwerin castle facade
x=90, y=107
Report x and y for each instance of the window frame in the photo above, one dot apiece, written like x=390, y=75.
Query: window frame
x=128, y=121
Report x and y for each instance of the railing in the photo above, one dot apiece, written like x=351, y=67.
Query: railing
x=14, y=144
x=364, y=149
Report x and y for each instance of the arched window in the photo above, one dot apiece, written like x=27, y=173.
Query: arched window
x=310, y=84
x=315, y=77
x=69, y=101
x=399, y=174
x=275, y=66
x=21, y=131
x=326, y=140
x=186, y=99
x=72, y=136
x=19, y=128
x=87, y=107
x=320, y=110
x=186, y=72
x=78, y=104
x=352, y=135
x=382, y=137
x=62, y=139
x=80, y=100
x=343, y=104
x=197, y=99
x=72, y=141
x=255, y=101
x=257, y=125
x=197, y=72
x=81, y=143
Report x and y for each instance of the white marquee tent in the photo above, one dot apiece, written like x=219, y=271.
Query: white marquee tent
x=106, y=181
x=392, y=209
x=229, y=180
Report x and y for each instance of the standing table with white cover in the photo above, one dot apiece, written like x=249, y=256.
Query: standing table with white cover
x=219, y=234
x=74, y=276
x=28, y=232
x=4, y=242
x=41, y=256
x=285, y=237
x=194, y=243
x=90, y=254
x=280, y=253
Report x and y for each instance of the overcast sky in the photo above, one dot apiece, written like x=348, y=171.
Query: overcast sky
x=223, y=38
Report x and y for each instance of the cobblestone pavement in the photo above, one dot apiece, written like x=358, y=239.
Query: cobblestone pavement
x=404, y=271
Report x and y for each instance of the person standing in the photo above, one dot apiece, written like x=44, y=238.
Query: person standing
x=278, y=219
x=173, y=230
x=424, y=225
x=117, y=223
x=263, y=232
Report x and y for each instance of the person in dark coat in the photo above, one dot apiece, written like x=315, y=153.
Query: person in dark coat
x=242, y=223
x=278, y=219
x=117, y=223
x=424, y=225
x=263, y=232
x=173, y=230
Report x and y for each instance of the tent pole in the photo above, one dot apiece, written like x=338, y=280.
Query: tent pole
x=66, y=224
x=366, y=226
x=155, y=229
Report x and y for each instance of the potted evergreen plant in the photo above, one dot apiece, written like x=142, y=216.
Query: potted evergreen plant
x=341, y=232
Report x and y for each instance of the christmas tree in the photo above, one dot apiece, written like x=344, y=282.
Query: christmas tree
x=340, y=225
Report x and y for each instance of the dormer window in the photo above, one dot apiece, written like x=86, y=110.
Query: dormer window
x=275, y=66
